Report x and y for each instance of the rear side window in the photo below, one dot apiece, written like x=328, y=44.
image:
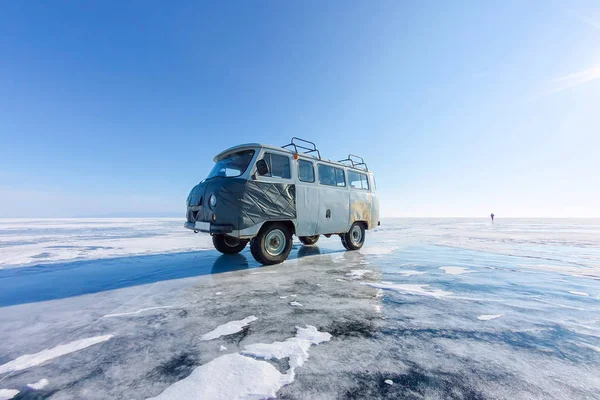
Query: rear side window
x=331, y=176
x=357, y=180
x=279, y=166
x=306, y=171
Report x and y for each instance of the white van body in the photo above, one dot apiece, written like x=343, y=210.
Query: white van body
x=314, y=196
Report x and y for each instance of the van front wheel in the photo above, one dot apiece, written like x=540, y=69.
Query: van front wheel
x=228, y=245
x=308, y=240
x=272, y=245
x=355, y=238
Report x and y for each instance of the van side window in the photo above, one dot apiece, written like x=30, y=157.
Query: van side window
x=331, y=176
x=279, y=166
x=358, y=180
x=306, y=171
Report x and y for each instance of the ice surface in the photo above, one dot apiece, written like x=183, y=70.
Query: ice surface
x=488, y=317
x=545, y=345
x=455, y=270
x=424, y=290
x=7, y=394
x=31, y=360
x=229, y=328
x=42, y=383
x=31, y=242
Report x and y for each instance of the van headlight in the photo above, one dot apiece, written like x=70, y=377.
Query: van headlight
x=212, y=200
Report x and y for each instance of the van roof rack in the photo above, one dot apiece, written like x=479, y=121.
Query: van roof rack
x=302, y=144
x=355, y=162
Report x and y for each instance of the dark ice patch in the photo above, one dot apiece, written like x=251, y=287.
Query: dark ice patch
x=415, y=384
x=177, y=367
x=342, y=328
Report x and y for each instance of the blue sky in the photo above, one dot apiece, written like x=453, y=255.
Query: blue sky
x=460, y=108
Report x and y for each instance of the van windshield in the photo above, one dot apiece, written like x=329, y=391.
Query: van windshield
x=233, y=165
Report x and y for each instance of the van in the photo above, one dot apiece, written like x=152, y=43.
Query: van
x=262, y=195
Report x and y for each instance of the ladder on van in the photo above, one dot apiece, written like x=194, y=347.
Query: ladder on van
x=307, y=146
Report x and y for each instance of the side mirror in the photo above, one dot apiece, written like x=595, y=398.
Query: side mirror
x=261, y=167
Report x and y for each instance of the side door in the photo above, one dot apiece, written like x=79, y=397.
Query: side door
x=307, y=199
x=270, y=197
x=334, y=202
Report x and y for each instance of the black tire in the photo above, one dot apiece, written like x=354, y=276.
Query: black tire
x=228, y=245
x=308, y=240
x=355, y=237
x=268, y=248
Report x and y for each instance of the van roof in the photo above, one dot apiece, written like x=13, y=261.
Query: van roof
x=248, y=146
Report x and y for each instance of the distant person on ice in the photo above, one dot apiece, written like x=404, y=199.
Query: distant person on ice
x=492, y=216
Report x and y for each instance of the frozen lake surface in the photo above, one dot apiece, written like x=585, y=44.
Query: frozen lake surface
x=429, y=308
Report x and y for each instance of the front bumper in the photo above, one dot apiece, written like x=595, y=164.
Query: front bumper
x=208, y=227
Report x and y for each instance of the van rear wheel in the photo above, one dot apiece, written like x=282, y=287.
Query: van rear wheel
x=227, y=244
x=308, y=240
x=272, y=245
x=355, y=237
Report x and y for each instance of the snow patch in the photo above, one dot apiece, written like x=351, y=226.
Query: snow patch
x=409, y=289
x=222, y=348
x=135, y=312
x=295, y=349
x=218, y=293
x=295, y=303
x=228, y=328
x=341, y=280
x=578, y=293
x=455, y=270
x=263, y=272
x=42, y=383
x=31, y=360
x=7, y=394
x=389, y=382
x=358, y=273
x=231, y=376
x=283, y=297
x=488, y=317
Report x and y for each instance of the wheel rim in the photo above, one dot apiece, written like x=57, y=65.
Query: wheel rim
x=230, y=241
x=356, y=234
x=275, y=242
